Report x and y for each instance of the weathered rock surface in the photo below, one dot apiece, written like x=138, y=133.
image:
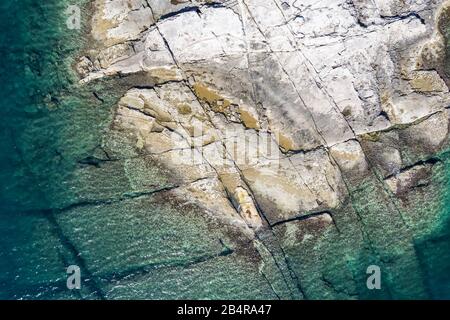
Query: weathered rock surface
x=289, y=142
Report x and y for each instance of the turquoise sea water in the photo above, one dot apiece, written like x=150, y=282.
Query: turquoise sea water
x=49, y=123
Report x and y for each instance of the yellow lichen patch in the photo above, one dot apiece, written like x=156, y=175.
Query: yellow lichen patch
x=217, y=102
x=208, y=139
x=165, y=74
x=385, y=97
x=284, y=142
x=248, y=119
x=421, y=84
x=184, y=108
x=427, y=82
x=371, y=136
x=241, y=195
x=101, y=26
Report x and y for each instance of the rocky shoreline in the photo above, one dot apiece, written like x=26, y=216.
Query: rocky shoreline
x=303, y=141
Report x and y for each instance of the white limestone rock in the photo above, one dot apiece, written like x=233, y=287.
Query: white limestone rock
x=274, y=103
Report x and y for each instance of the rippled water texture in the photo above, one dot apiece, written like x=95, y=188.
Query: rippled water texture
x=49, y=124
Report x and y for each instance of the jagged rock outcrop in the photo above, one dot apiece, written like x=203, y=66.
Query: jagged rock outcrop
x=308, y=129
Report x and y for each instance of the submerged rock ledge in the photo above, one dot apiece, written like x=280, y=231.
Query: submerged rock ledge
x=303, y=135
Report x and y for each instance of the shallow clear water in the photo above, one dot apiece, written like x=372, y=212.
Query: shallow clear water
x=48, y=123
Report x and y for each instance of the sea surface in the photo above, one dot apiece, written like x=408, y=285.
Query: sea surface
x=49, y=123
